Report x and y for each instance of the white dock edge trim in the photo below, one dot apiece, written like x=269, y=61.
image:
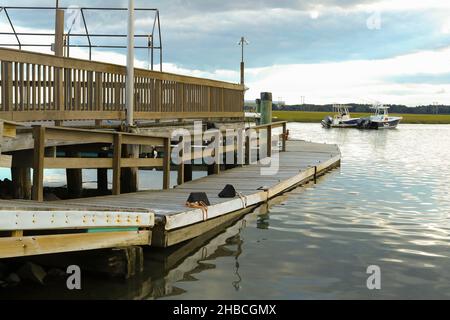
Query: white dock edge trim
x=11, y=220
x=191, y=217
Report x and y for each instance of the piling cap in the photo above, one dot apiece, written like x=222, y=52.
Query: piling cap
x=258, y=101
x=266, y=96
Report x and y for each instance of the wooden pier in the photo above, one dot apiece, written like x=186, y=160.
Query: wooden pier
x=53, y=114
x=160, y=218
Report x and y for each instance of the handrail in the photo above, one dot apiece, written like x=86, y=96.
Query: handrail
x=41, y=134
x=37, y=86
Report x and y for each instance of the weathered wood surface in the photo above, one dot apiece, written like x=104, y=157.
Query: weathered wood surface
x=164, y=211
x=301, y=162
x=37, y=245
x=39, y=87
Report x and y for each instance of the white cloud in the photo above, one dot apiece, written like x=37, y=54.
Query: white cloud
x=355, y=81
x=347, y=81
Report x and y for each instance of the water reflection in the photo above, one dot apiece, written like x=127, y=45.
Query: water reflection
x=388, y=205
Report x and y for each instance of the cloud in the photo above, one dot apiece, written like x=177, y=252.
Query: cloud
x=320, y=49
x=384, y=80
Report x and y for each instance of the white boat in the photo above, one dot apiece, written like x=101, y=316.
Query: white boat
x=342, y=118
x=380, y=119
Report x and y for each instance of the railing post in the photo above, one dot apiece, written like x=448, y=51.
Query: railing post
x=98, y=105
x=283, y=148
x=7, y=86
x=166, y=164
x=116, y=163
x=181, y=163
x=38, y=163
x=59, y=52
x=219, y=156
x=269, y=140
x=247, y=146
x=240, y=148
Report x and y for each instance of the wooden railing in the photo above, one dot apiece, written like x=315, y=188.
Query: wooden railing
x=37, y=86
x=239, y=148
x=42, y=134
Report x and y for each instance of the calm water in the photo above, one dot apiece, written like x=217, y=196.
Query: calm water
x=388, y=205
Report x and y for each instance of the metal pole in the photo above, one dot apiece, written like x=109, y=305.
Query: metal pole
x=243, y=42
x=160, y=44
x=130, y=65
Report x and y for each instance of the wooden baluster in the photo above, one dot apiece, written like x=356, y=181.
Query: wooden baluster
x=16, y=86
x=33, y=87
x=90, y=95
x=49, y=88
x=98, y=91
x=28, y=87
x=7, y=86
x=39, y=87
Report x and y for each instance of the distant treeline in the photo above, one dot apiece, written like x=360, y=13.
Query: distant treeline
x=365, y=108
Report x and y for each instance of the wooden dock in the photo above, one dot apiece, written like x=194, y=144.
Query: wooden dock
x=65, y=113
x=161, y=218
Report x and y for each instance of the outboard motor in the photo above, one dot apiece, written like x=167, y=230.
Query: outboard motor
x=363, y=123
x=327, y=121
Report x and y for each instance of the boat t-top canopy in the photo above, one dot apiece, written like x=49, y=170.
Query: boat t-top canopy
x=380, y=107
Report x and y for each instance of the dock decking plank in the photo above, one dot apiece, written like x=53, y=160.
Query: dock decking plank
x=175, y=222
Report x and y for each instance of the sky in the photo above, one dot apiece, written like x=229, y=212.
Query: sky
x=327, y=51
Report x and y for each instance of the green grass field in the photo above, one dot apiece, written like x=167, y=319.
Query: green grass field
x=302, y=116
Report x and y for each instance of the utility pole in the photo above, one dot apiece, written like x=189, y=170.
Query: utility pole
x=130, y=65
x=242, y=43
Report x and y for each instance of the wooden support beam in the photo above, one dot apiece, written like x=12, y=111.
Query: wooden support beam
x=284, y=138
x=36, y=245
x=269, y=141
x=116, y=163
x=38, y=163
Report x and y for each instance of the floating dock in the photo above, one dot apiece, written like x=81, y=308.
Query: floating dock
x=158, y=218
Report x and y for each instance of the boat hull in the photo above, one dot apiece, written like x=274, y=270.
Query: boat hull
x=329, y=122
x=378, y=124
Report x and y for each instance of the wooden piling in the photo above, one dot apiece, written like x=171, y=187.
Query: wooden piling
x=21, y=176
x=38, y=163
x=181, y=174
x=74, y=178
x=116, y=163
x=166, y=164
x=102, y=177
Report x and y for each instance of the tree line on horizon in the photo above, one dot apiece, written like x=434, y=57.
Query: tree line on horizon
x=365, y=108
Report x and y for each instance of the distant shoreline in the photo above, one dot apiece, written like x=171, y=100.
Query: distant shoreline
x=310, y=117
